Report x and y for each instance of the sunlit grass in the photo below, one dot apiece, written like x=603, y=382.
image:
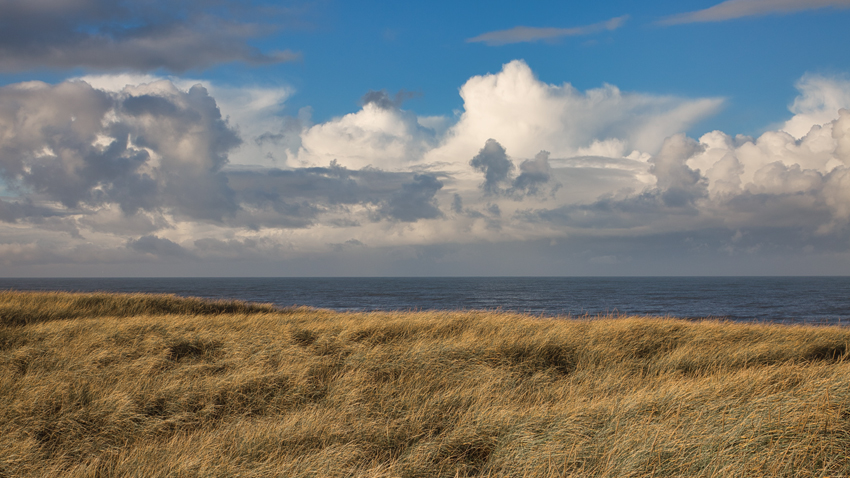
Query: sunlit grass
x=159, y=386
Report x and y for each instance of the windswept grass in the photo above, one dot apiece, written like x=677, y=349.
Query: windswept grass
x=97, y=385
x=22, y=308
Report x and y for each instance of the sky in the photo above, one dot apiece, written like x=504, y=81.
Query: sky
x=376, y=138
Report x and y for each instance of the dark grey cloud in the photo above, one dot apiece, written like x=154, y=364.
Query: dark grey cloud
x=332, y=185
x=498, y=170
x=493, y=161
x=415, y=200
x=347, y=245
x=494, y=210
x=156, y=246
x=177, y=35
x=383, y=100
x=13, y=211
x=610, y=212
x=83, y=147
x=679, y=184
x=534, y=174
x=457, y=204
x=63, y=120
x=300, y=196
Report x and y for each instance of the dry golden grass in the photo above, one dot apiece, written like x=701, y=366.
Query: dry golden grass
x=157, y=386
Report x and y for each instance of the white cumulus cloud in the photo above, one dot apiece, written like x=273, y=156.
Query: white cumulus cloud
x=526, y=115
x=379, y=135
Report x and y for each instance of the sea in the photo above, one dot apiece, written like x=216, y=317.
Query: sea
x=787, y=300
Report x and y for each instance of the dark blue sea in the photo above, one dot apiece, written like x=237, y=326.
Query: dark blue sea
x=819, y=300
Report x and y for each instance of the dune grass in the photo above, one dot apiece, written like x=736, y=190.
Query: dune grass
x=100, y=385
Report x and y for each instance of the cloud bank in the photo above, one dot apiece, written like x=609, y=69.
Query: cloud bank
x=104, y=173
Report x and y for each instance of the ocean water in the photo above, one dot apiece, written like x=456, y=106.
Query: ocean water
x=820, y=300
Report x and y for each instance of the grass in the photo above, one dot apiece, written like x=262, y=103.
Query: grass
x=100, y=385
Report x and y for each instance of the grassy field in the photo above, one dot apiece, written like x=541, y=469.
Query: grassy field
x=99, y=385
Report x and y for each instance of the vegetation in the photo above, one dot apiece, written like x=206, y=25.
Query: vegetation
x=98, y=385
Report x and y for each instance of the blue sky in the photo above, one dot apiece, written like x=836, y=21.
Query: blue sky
x=210, y=137
x=752, y=61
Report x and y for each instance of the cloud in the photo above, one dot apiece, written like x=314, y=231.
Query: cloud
x=156, y=246
x=818, y=103
x=256, y=111
x=457, y=204
x=526, y=115
x=813, y=138
x=627, y=216
x=732, y=9
x=144, y=156
x=139, y=170
x=12, y=211
x=673, y=198
x=777, y=179
x=776, y=190
x=512, y=106
x=383, y=100
x=151, y=147
x=415, y=200
x=493, y=161
x=534, y=173
x=380, y=135
x=300, y=197
x=680, y=185
x=522, y=34
x=498, y=170
x=141, y=36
